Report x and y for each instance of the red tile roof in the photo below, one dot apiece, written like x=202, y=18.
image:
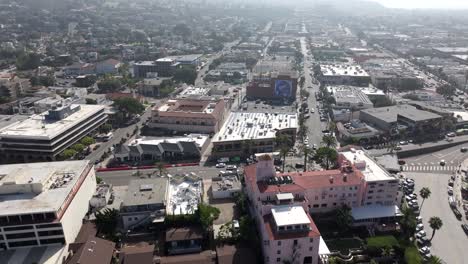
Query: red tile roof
x=305, y=180
x=270, y=229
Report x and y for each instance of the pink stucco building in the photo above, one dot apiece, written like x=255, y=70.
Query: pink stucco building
x=283, y=203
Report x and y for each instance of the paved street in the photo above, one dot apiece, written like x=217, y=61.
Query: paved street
x=313, y=123
x=118, y=134
x=120, y=178
x=450, y=241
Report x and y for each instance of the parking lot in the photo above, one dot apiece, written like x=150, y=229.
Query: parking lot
x=449, y=242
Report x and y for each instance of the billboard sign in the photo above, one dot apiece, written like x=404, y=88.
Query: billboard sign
x=283, y=88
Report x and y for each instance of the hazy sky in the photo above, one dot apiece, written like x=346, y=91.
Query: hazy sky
x=425, y=3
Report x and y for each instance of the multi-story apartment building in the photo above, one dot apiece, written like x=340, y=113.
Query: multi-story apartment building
x=44, y=203
x=283, y=203
x=44, y=136
x=189, y=115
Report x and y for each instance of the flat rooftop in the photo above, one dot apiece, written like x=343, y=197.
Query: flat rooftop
x=185, y=58
x=187, y=105
x=191, y=91
x=289, y=215
x=146, y=191
x=36, y=127
x=6, y=120
x=37, y=187
x=145, y=63
x=374, y=211
x=390, y=113
x=369, y=168
x=343, y=70
x=184, y=195
x=199, y=140
x=244, y=126
x=350, y=95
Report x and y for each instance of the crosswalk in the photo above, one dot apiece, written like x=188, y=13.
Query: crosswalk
x=429, y=168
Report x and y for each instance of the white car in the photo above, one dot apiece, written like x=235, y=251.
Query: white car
x=231, y=167
x=442, y=162
x=419, y=219
x=450, y=190
x=235, y=225
x=421, y=234
x=220, y=165
x=419, y=227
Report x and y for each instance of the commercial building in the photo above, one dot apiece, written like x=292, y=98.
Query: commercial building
x=189, y=115
x=396, y=78
x=393, y=119
x=228, y=72
x=349, y=97
x=165, y=66
x=185, y=193
x=343, y=74
x=145, y=202
x=109, y=66
x=12, y=86
x=184, y=240
x=46, y=135
x=94, y=251
x=283, y=202
x=142, y=68
x=273, y=86
x=151, y=86
x=44, y=203
x=189, y=147
x=225, y=187
x=244, y=133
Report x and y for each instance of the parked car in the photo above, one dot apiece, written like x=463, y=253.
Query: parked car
x=425, y=252
x=465, y=228
x=220, y=165
x=451, y=182
x=419, y=227
x=235, y=225
x=451, y=134
x=403, y=143
x=463, y=149
x=457, y=213
x=231, y=167
x=442, y=162
x=421, y=234
x=450, y=190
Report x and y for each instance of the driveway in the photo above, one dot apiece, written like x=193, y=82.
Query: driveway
x=450, y=241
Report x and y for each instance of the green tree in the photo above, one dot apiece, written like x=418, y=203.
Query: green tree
x=446, y=90
x=128, y=106
x=28, y=61
x=435, y=223
x=106, y=221
x=161, y=167
x=185, y=75
x=109, y=85
x=329, y=141
x=343, y=218
x=67, y=154
x=78, y=147
x=106, y=128
x=98, y=180
x=425, y=192
x=388, y=251
x=326, y=156
x=206, y=215
x=43, y=80
x=408, y=221
x=87, y=141
x=307, y=152
x=433, y=259
x=90, y=101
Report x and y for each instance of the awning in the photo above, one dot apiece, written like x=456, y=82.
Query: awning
x=375, y=211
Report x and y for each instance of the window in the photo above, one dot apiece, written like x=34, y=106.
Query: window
x=334, y=204
x=324, y=205
x=279, y=243
x=281, y=228
x=310, y=248
x=278, y=252
x=316, y=198
x=371, y=192
x=331, y=188
x=311, y=240
x=369, y=197
x=295, y=242
x=316, y=205
x=278, y=260
x=266, y=242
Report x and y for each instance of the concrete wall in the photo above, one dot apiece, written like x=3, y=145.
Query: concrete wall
x=72, y=219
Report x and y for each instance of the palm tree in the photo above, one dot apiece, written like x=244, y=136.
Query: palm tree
x=329, y=141
x=106, y=221
x=307, y=152
x=434, y=260
x=387, y=251
x=391, y=146
x=283, y=152
x=407, y=221
x=161, y=166
x=435, y=223
x=425, y=192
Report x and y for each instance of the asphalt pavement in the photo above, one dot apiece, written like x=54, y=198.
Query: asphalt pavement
x=450, y=241
x=118, y=134
x=313, y=122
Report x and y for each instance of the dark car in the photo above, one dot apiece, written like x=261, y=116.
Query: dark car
x=457, y=213
x=465, y=228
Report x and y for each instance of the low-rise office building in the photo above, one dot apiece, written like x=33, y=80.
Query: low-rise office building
x=244, y=133
x=397, y=118
x=273, y=86
x=349, y=97
x=44, y=203
x=46, y=135
x=189, y=115
x=344, y=75
x=145, y=202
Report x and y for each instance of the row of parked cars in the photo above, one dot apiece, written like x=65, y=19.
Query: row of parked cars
x=411, y=200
